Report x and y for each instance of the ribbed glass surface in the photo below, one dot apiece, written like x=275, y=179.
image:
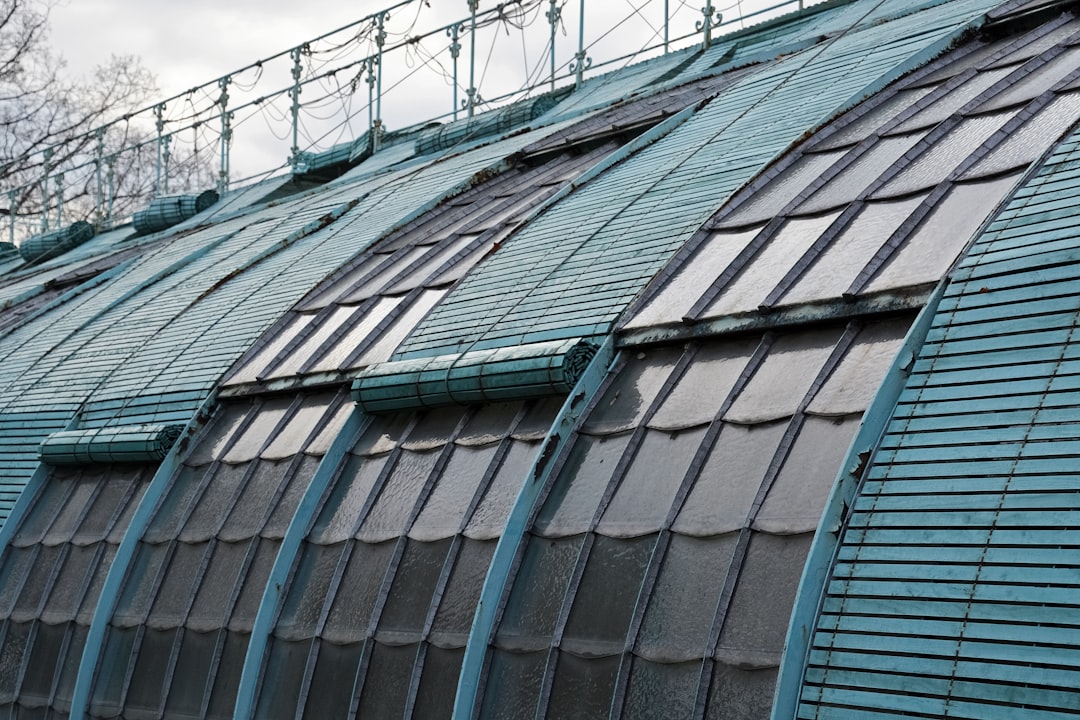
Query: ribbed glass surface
x=663, y=563
x=176, y=641
x=385, y=586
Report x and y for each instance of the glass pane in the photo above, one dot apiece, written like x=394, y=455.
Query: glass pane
x=750, y=288
x=757, y=620
x=117, y=490
x=335, y=357
x=444, y=512
x=322, y=441
x=434, y=260
x=112, y=672
x=214, y=505
x=249, y=443
x=197, y=651
x=854, y=383
x=341, y=513
x=341, y=281
x=768, y=201
x=253, y=505
x=176, y=505
x=935, y=245
x=537, y=594
x=37, y=582
x=873, y=119
x=702, y=389
x=212, y=603
x=573, y=501
x=435, y=429
x=48, y=503
x=659, y=690
x=632, y=392
x=393, y=265
x=605, y=599
x=328, y=324
x=307, y=591
x=438, y=684
x=290, y=439
x=398, y=496
x=180, y=583
x=458, y=604
x=538, y=419
x=386, y=687
x=251, y=592
x=785, y=376
x=63, y=600
x=69, y=518
x=332, y=682
x=837, y=267
x=489, y=424
x=44, y=655
x=280, y=689
x=721, y=498
x=955, y=99
x=350, y=614
x=97, y=582
x=252, y=370
x=1026, y=144
x=390, y=338
x=489, y=518
x=149, y=679
x=740, y=693
x=692, y=279
x=797, y=497
x=283, y=513
x=1038, y=42
x=227, y=678
x=140, y=585
x=643, y=499
x=859, y=175
x=680, y=612
x=582, y=687
x=412, y=591
x=1038, y=81
x=513, y=685
x=945, y=155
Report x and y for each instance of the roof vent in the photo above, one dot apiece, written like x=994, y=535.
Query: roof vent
x=43, y=247
x=168, y=210
x=125, y=444
x=498, y=375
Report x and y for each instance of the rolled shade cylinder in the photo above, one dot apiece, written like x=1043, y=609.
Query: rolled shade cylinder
x=43, y=247
x=443, y=137
x=125, y=444
x=498, y=375
x=168, y=210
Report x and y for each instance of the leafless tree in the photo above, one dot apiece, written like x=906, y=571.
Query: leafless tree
x=67, y=141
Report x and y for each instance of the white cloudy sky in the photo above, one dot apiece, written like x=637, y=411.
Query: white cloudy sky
x=186, y=44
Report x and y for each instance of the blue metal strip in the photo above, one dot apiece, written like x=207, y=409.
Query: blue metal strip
x=466, y=700
x=110, y=591
x=823, y=548
x=290, y=546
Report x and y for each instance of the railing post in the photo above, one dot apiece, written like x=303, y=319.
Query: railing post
x=297, y=71
x=58, y=183
x=159, y=123
x=474, y=97
x=226, y=134
x=99, y=191
x=581, y=63
x=166, y=153
x=11, y=216
x=45, y=190
x=707, y=24
x=667, y=23
x=455, y=50
x=380, y=40
x=110, y=176
x=554, y=14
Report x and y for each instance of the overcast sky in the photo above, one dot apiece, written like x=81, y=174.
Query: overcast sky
x=193, y=42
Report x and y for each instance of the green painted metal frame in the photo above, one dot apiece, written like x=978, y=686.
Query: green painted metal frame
x=465, y=702
x=125, y=552
x=247, y=692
